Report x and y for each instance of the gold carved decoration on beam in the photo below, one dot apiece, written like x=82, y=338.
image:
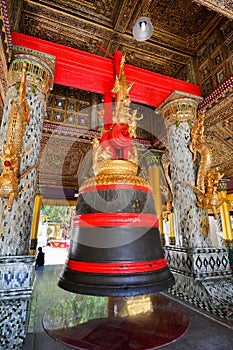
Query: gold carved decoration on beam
x=207, y=178
x=12, y=151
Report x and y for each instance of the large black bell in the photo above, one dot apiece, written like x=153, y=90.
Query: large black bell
x=115, y=249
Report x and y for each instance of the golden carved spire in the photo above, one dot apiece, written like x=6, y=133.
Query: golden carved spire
x=115, y=155
x=121, y=89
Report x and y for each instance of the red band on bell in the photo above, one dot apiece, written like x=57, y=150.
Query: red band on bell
x=117, y=268
x=116, y=219
x=115, y=187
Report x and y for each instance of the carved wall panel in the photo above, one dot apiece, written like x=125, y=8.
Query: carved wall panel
x=219, y=133
x=215, y=57
x=224, y=7
x=72, y=107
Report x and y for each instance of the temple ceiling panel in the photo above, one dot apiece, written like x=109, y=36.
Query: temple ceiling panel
x=61, y=156
x=219, y=134
x=179, y=27
x=191, y=41
x=224, y=7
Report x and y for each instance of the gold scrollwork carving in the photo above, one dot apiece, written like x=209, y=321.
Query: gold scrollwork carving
x=38, y=75
x=180, y=111
x=109, y=179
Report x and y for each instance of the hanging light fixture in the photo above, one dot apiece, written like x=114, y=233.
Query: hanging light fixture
x=142, y=29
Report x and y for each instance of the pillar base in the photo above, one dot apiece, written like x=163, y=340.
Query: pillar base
x=16, y=284
x=213, y=296
x=199, y=263
x=230, y=251
x=203, y=278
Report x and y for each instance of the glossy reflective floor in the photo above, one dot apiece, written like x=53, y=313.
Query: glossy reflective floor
x=142, y=323
x=55, y=305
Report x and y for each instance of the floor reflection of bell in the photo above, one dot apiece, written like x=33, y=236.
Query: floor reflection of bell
x=143, y=322
x=115, y=249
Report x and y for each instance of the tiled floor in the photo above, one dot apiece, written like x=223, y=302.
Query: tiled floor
x=203, y=333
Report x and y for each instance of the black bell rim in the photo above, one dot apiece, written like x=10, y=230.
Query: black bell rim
x=115, y=249
x=122, y=287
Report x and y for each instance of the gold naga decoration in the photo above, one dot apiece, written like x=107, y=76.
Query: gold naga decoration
x=115, y=152
x=12, y=151
x=167, y=189
x=168, y=206
x=207, y=178
x=166, y=166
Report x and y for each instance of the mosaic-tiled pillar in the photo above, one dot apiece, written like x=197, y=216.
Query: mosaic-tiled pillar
x=200, y=269
x=16, y=266
x=179, y=111
x=154, y=164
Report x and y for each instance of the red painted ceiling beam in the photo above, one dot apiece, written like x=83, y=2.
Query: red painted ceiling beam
x=93, y=73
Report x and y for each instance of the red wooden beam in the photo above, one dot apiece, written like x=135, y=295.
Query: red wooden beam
x=93, y=73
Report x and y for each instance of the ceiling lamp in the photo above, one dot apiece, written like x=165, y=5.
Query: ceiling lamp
x=142, y=29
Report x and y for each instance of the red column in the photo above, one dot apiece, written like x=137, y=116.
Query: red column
x=107, y=111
